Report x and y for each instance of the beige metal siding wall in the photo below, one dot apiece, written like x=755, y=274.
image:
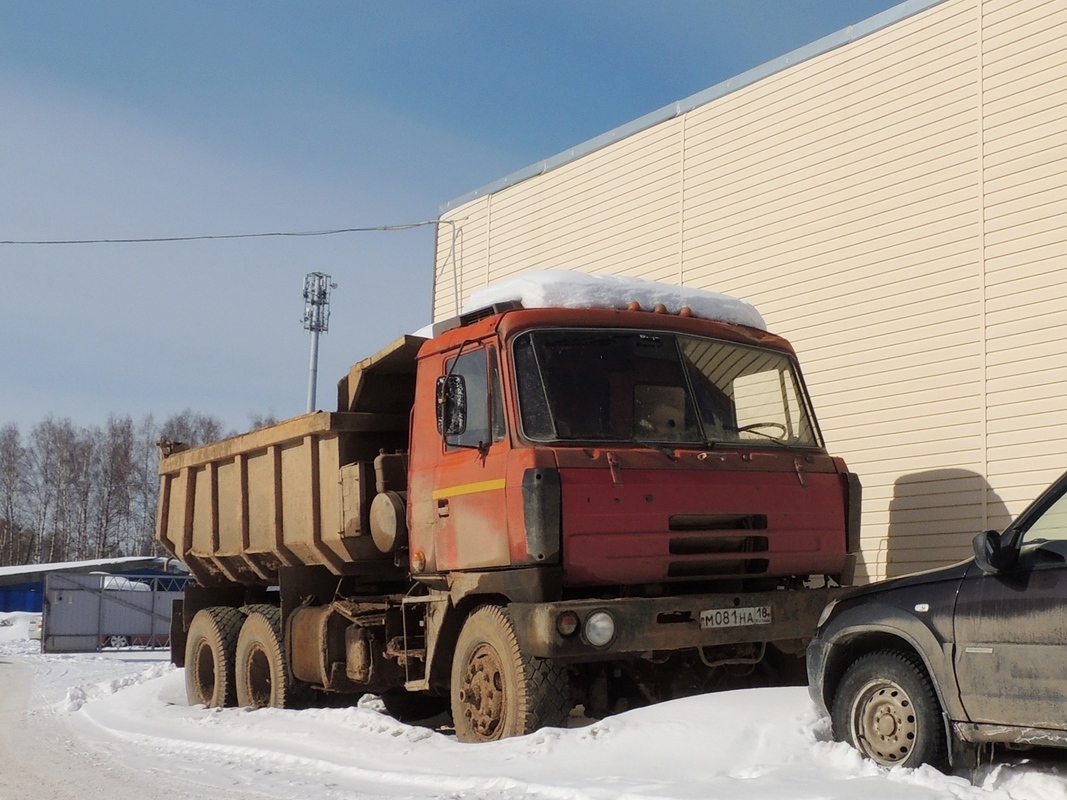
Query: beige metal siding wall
x=1025, y=185
x=841, y=198
x=883, y=204
x=620, y=213
x=462, y=263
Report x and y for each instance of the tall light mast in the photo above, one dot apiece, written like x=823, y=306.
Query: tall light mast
x=317, y=288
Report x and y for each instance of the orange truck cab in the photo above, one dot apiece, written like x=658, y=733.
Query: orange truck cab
x=616, y=448
x=627, y=462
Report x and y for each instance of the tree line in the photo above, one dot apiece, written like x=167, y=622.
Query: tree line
x=72, y=493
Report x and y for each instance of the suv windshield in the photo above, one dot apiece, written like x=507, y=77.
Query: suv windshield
x=650, y=386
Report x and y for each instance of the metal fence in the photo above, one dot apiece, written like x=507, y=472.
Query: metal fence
x=84, y=613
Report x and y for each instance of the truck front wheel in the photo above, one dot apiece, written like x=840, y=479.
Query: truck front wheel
x=261, y=675
x=886, y=707
x=210, y=648
x=497, y=691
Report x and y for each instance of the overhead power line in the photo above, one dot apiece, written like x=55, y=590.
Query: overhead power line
x=449, y=257
x=154, y=239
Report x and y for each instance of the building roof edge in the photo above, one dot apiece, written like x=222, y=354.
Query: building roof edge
x=824, y=45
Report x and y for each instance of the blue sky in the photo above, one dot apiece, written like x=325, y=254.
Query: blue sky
x=146, y=119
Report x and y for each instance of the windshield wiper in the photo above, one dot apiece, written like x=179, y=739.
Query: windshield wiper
x=754, y=428
x=667, y=450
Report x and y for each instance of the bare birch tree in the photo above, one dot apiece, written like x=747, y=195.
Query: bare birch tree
x=15, y=537
x=74, y=493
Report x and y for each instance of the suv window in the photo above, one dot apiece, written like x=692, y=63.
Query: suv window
x=1049, y=531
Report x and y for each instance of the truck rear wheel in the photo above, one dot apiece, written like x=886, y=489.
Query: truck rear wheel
x=497, y=691
x=886, y=707
x=259, y=667
x=210, y=649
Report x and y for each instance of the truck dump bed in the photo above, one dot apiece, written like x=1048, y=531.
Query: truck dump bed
x=294, y=493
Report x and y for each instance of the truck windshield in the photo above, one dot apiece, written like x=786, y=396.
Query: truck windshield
x=661, y=388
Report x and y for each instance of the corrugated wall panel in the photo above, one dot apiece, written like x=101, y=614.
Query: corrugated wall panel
x=804, y=234
x=461, y=251
x=895, y=207
x=1025, y=170
x=856, y=71
x=616, y=210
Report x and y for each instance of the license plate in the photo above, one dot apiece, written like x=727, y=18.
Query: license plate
x=735, y=617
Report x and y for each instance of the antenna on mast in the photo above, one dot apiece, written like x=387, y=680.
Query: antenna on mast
x=317, y=289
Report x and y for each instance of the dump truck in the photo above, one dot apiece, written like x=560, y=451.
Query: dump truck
x=528, y=510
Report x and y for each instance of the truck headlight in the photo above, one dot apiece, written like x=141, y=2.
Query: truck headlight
x=599, y=628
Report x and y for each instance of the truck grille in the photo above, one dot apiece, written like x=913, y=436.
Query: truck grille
x=717, y=569
x=718, y=522
x=715, y=545
x=722, y=546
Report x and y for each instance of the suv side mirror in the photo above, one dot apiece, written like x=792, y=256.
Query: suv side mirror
x=451, y=405
x=990, y=553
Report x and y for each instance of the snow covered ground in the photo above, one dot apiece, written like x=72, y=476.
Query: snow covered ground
x=116, y=724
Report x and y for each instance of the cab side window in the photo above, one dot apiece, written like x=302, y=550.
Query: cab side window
x=471, y=367
x=483, y=399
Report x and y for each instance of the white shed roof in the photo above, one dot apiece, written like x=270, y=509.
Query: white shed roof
x=28, y=573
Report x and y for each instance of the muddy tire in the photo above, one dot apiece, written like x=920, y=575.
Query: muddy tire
x=210, y=649
x=886, y=707
x=497, y=691
x=262, y=679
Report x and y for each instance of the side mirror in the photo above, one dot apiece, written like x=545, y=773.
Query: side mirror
x=451, y=405
x=990, y=554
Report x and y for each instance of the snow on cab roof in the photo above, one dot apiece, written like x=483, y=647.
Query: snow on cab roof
x=569, y=289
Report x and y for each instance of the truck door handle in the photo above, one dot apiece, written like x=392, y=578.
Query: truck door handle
x=442, y=507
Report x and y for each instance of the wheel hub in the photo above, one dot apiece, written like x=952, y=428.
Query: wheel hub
x=204, y=665
x=885, y=723
x=259, y=677
x=483, y=692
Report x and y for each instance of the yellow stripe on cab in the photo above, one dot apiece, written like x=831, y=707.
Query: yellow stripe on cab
x=469, y=488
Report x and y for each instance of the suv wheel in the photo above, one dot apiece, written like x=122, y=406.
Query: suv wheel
x=886, y=707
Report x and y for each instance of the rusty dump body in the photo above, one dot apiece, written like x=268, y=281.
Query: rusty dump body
x=290, y=494
x=642, y=490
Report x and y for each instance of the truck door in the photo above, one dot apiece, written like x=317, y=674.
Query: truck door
x=470, y=529
x=1011, y=632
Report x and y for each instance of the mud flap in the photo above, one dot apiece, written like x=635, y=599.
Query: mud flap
x=961, y=754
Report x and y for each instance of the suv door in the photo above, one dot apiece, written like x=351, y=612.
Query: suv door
x=1011, y=628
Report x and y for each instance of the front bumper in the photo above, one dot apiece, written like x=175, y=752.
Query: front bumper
x=645, y=625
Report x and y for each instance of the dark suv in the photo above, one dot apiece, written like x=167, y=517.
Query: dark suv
x=928, y=667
